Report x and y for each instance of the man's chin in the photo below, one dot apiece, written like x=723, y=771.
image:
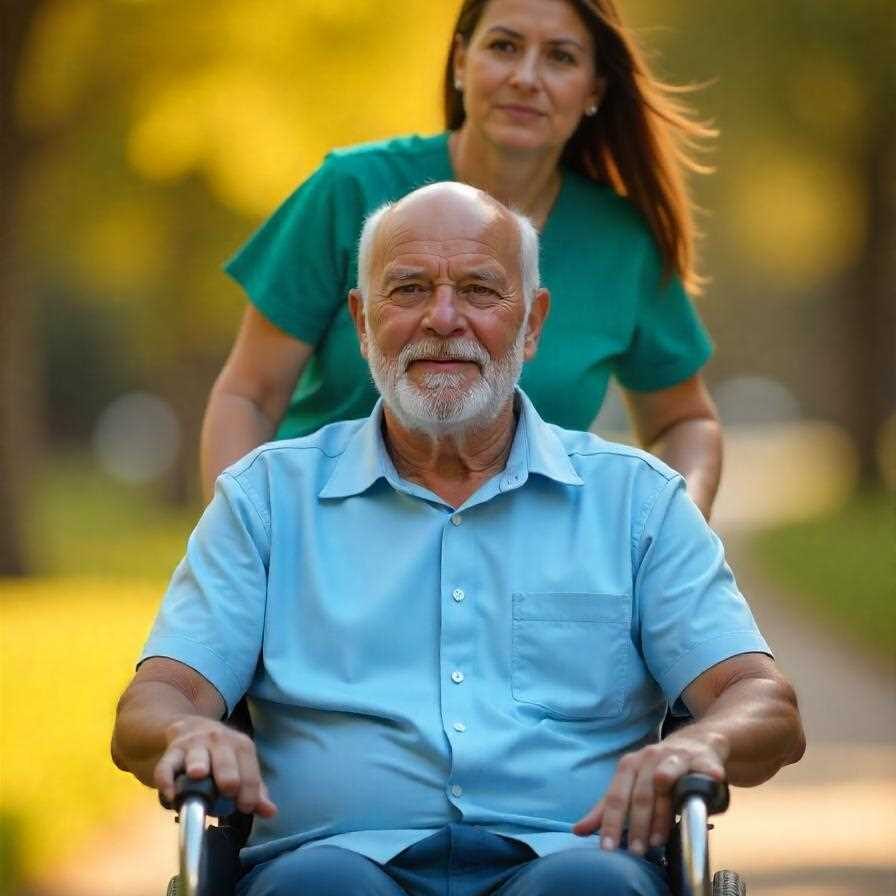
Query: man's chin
x=442, y=408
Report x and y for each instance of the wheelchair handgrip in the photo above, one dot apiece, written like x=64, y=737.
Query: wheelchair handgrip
x=204, y=789
x=713, y=793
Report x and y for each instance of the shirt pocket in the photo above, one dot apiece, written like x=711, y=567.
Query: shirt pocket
x=570, y=653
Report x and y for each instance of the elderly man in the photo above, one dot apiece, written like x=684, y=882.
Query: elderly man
x=457, y=627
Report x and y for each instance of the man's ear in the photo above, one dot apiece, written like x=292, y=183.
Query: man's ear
x=356, y=309
x=535, y=322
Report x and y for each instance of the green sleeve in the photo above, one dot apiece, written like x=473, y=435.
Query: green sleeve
x=669, y=343
x=297, y=266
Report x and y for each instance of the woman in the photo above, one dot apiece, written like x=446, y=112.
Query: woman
x=551, y=109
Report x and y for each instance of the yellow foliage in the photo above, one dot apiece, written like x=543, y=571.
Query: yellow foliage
x=798, y=219
x=67, y=649
x=123, y=245
x=278, y=86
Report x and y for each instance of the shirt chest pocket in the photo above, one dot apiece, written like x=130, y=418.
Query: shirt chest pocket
x=571, y=653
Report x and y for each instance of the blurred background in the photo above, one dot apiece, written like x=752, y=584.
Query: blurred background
x=143, y=141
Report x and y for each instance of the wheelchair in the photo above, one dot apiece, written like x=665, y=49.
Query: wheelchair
x=209, y=856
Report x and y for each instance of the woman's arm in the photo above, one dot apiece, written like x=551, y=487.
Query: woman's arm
x=680, y=425
x=250, y=395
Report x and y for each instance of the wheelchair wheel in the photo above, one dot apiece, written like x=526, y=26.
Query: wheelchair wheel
x=727, y=883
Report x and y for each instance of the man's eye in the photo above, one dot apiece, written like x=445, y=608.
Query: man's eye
x=408, y=289
x=478, y=289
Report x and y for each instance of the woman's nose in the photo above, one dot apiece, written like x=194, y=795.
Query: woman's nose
x=525, y=72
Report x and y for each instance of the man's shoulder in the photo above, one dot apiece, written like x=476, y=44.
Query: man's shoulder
x=320, y=449
x=593, y=455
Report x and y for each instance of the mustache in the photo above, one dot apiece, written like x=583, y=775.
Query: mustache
x=442, y=350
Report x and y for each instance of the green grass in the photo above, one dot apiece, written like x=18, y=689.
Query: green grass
x=843, y=567
x=84, y=522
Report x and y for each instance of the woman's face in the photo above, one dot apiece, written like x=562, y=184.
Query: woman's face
x=527, y=74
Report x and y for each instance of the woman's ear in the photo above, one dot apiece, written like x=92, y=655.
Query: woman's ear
x=459, y=61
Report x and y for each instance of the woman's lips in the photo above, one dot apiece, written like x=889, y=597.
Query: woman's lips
x=521, y=113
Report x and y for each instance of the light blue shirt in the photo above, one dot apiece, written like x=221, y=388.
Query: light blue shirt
x=409, y=665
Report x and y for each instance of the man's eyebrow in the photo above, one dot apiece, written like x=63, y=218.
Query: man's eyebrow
x=401, y=274
x=557, y=41
x=488, y=274
x=484, y=274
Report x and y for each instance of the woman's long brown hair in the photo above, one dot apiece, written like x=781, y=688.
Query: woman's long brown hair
x=641, y=142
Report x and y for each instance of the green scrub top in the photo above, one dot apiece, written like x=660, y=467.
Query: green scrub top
x=612, y=312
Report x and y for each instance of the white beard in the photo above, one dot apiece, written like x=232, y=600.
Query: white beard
x=444, y=403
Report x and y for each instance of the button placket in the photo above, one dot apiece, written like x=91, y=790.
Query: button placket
x=456, y=645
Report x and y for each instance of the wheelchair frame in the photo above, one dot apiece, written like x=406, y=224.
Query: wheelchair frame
x=209, y=856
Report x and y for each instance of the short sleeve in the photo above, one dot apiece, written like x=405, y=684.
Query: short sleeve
x=295, y=267
x=669, y=343
x=691, y=614
x=212, y=616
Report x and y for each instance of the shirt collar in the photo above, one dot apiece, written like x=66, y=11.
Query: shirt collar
x=535, y=449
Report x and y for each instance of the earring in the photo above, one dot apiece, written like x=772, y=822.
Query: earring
x=458, y=86
x=591, y=110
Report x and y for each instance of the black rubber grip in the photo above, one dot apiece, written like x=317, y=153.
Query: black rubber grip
x=713, y=793
x=216, y=805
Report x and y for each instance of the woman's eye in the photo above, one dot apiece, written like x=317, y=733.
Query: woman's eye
x=502, y=46
x=563, y=56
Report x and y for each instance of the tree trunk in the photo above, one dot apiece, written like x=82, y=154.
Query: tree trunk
x=868, y=305
x=18, y=367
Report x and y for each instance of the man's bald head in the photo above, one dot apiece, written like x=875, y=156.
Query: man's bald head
x=444, y=211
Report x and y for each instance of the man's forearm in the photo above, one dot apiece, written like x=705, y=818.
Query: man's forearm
x=233, y=426
x=145, y=713
x=694, y=449
x=757, y=726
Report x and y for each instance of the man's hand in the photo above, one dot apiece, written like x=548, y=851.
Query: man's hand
x=641, y=789
x=201, y=747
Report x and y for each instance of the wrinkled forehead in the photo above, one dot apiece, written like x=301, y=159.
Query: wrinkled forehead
x=448, y=230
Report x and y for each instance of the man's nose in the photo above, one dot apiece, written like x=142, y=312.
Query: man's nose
x=443, y=315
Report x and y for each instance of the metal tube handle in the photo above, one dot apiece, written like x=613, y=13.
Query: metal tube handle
x=694, y=847
x=697, y=797
x=192, y=831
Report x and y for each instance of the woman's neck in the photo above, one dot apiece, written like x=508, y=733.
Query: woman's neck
x=525, y=181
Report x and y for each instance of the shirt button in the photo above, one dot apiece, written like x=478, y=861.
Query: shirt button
x=456, y=790
x=459, y=726
x=456, y=519
x=458, y=594
x=457, y=677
